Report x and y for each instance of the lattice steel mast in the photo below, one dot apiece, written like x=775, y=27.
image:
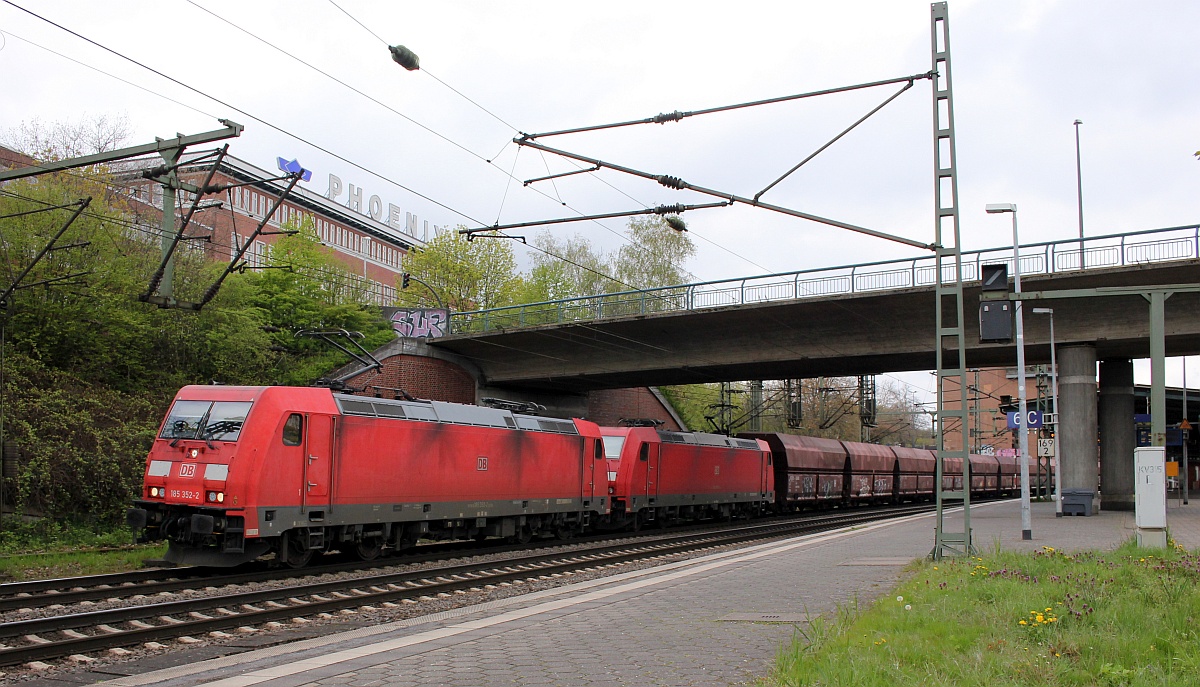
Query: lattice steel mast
x=950, y=345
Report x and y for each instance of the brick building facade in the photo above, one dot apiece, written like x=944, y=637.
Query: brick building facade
x=987, y=390
x=370, y=248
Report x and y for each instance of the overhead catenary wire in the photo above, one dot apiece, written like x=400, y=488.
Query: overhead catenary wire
x=538, y=248
x=299, y=138
x=286, y=132
x=110, y=75
x=492, y=161
x=515, y=129
x=256, y=118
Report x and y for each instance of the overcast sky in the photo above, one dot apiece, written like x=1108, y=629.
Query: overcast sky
x=1022, y=73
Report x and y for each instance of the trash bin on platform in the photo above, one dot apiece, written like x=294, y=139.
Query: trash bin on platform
x=1077, y=501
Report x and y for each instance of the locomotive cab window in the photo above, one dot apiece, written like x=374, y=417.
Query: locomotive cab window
x=613, y=446
x=644, y=452
x=293, y=430
x=598, y=453
x=207, y=420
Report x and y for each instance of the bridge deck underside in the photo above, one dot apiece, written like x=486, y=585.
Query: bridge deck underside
x=840, y=335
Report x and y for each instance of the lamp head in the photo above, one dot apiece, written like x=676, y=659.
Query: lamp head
x=1078, y=122
x=405, y=57
x=1044, y=311
x=997, y=208
x=675, y=222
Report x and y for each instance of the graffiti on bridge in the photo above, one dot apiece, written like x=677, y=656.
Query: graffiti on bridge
x=420, y=322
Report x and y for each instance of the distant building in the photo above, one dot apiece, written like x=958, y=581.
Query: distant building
x=371, y=243
x=371, y=249
x=990, y=393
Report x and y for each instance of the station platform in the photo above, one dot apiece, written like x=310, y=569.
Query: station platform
x=712, y=620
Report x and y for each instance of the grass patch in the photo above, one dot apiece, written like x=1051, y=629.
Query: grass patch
x=1124, y=618
x=41, y=566
x=47, y=549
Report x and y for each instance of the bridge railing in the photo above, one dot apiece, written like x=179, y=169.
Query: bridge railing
x=1070, y=255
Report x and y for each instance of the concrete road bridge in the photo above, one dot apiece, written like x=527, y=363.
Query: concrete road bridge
x=867, y=318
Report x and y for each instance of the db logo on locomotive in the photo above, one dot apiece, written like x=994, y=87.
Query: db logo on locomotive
x=187, y=470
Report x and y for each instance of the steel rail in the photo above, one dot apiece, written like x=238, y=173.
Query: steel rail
x=349, y=593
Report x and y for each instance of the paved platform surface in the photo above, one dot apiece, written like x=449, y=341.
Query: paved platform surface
x=699, y=622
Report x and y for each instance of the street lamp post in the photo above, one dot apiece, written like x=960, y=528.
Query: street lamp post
x=1054, y=394
x=1022, y=406
x=1186, y=474
x=1079, y=195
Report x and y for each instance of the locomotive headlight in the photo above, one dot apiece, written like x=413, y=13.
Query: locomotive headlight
x=195, y=452
x=216, y=497
x=154, y=491
x=220, y=497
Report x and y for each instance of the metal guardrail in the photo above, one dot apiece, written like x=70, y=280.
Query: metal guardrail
x=1051, y=257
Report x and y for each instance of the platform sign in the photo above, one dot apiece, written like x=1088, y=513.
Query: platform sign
x=1034, y=419
x=1174, y=437
x=1045, y=448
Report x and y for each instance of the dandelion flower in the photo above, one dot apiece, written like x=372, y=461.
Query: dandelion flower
x=1022, y=622
x=899, y=598
x=908, y=607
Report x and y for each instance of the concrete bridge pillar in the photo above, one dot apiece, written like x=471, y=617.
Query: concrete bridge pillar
x=1117, y=436
x=1077, y=417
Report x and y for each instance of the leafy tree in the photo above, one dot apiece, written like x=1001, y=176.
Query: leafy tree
x=467, y=275
x=89, y=369
x=566, y=269
x=829, y=408
x=61, y=140
x=307, y=288
x=654, y=256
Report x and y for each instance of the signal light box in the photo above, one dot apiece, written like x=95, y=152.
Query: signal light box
x=995, y=322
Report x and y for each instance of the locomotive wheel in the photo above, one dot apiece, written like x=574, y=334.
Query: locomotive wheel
x=524, y=535
x=296, y=554
x=368, y=550
x=565, y=532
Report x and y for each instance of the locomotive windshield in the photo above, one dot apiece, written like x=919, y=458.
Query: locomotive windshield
x=208, y=420
x=612, y=447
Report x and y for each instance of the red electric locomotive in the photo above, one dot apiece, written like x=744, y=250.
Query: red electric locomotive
x=662, y=476
x=240, y=472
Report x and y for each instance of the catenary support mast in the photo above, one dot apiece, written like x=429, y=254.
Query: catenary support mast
x=950, y=330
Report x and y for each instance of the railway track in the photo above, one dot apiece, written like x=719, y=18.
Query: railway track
x=38, y=594
x=80, y=633
x=35, y=595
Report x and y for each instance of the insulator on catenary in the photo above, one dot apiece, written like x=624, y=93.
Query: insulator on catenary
x=669, y=209
x=668, y=117
x=671, y=182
